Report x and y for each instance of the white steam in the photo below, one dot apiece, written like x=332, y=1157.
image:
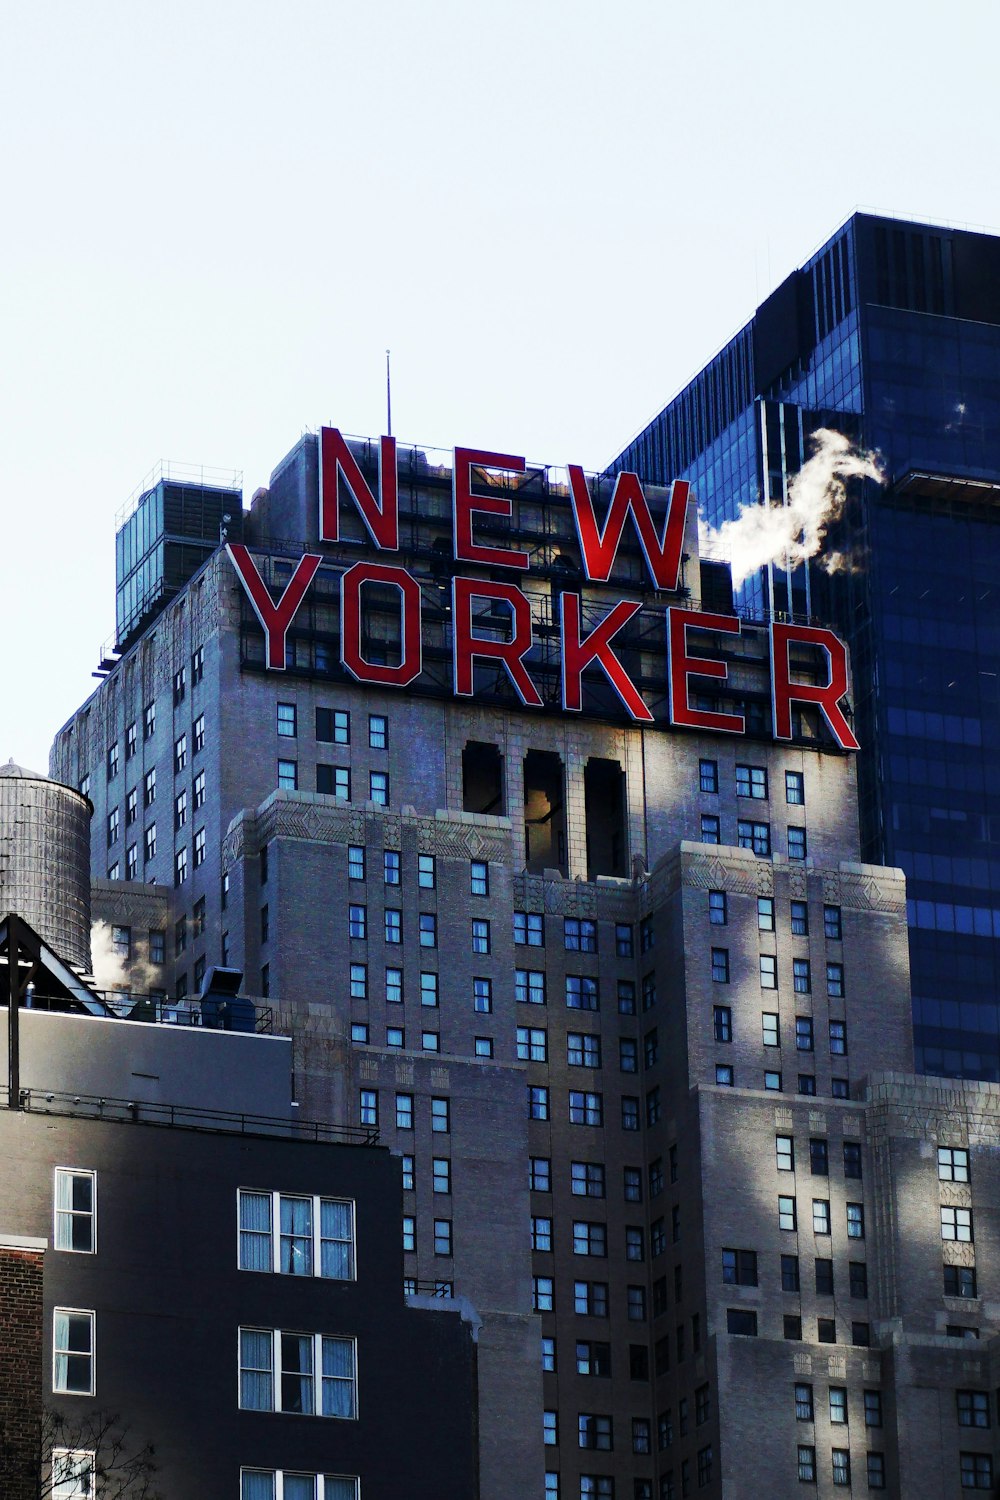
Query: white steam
x=110, y=970
x=791, y=533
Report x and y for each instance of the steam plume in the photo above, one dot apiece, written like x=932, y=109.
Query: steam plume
x=761, y=534
x=110, y=970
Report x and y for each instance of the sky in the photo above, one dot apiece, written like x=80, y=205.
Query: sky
x=217, y=216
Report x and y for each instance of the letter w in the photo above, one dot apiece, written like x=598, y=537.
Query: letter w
x=599, y=548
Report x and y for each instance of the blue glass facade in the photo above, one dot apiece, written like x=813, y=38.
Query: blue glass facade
x=890, y=333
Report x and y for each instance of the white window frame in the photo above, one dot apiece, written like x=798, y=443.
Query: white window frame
x=91, y=1354
x=71, y=1214
x=316, y=1202
x=320, y=1482
x=67, y=1486
x=317, y=1377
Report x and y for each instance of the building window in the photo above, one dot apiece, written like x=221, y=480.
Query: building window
x=804, y=1033
x=626, y=997
x=803, y=1403
x=711, y=829
x=960, y=1281
x=786, y=1214
x=755, y=836
x=623, y=940
x=540, y=1174
x=953, y=1164
x=480, y=936
x=790, y=1274
x=824, y=1277
x=583, y=1050
x=427, y=929
x=647, y=935
x=199, y=847
x=113, y=826
x=181, y=754
x=832, y=929
x=198, y=733
x=838, y=1405
x=796, y=843
x=976, y=1471
x=722, y=1023
x=841, y=1467
x=739, y=1267
x=581, y=992
x=791, y=1326
x=296, y=1235
x=588, y=1109
x=855, y=1221
x=430, y=1041
x=858, y=1273
x=720, y=965
x=741, y=1320
x=594, y=1432
x=751, y=781
x=795, y=792
x=297, y=1372
x=529, y=987
x=73, y=1351
x=393, y=926
x=579, y=935
x=75, y=1210
x=724, y=1075
x=378, y=788
x=442, y=1237
x=334, y=781
x=369, y=1107
x=800, y=919
x=821, y=1216
x=404, y=1111
x=359, y=1031
x=635, y=1304
x=269, y=1484
x=772, y=1080
x=973, y=1408
x=765, y=913
x=838, y=1038
x=768, y=968
x=770, y=1029
x=587, y=1179
x=426, y=872
x=840, y=1088
x=704, y=1467
x=528, y=928
x=807, y=1464
x=333, y=726
x=709, y=775
x=826, y=1330
x=589, y=1239
x=956, y=1224
x=784, y=1148
x=538, y=1102
x=440, y=1116
x=441, y=1174
x=287, y=721
x=801, y=976
x=180, y=867
x=180, y=811
x=630, y=1112
x=378, y=731
x=393, y=987
x=532, y=1044
x=149, y=788
x=428, y=988
x=632, y=1184
x=113, y=760
x=835, y=981
x=819, y=1158
x=391, y=873
x=542, y=1294
x=628, y=1055
x=357, y=922
x=635, y=1248
x=479, y=878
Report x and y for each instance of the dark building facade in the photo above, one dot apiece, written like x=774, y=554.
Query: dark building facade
x=890, y=333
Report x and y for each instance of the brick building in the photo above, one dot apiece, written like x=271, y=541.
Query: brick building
x=613, y=987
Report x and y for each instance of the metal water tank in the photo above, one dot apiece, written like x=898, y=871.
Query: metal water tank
x=45, y=859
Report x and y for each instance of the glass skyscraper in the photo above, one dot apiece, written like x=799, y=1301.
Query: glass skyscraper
x=890, y=333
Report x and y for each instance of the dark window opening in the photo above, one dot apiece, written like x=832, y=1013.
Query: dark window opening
x=482, y=779
x=544, y=812
x=604, y=798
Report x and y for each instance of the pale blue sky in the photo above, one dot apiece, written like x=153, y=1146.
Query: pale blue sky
x=216, y=216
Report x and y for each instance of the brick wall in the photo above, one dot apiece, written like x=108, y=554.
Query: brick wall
x=20, y=1365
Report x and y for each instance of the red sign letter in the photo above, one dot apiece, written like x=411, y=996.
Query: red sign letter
x=577, y=654
x=336, y=459
x=275, y=618
x=468, y=646
x=785, y=692
x=683, y=666
x=599, y=548
x=350, y=624
x=464, y=502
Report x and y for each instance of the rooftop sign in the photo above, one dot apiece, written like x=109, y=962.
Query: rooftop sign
x=599, y=539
